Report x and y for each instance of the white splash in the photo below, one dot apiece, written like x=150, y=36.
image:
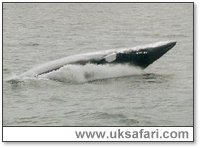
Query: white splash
x=90, y=72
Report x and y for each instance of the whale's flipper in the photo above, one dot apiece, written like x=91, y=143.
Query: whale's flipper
x=111, y=57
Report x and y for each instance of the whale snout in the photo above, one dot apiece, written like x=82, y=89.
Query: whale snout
x=161, y=49
x=173, y=43
x=168, y=46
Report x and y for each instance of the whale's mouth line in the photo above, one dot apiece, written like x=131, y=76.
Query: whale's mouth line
x=49, y=71
x=74, y=64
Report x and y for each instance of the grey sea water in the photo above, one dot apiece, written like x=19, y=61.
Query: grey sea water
x=118, y=95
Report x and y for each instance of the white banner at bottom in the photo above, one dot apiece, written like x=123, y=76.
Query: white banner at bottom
x=97, y=134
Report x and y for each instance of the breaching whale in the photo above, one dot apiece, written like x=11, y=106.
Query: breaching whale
x=140, y=56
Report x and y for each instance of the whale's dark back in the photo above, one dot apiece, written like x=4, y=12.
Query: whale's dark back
x=133, y=58
x=142, y=59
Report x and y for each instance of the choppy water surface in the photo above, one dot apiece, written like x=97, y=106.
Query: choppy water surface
x=104, y=94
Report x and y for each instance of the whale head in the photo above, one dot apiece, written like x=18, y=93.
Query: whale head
x=152, y=52
x=158, y=50
x=143, y=56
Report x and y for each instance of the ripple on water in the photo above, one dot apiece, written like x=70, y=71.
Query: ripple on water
x=119, y=118
x=26, y=120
